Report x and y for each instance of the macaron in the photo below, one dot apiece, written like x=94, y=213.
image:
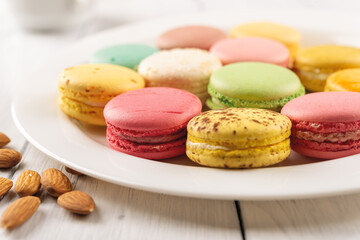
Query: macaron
x=251, y=49
x=185, y=68
x=150, y=122
x=253, y=85
x=126, y=55
x=190, y=36
x=325, y=125
x=287, y=35
x=315, y=64
x=344, y=80
x=238, y=138
x=85, y=89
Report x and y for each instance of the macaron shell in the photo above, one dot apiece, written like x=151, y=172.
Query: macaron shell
x=148, y=151
x=255, y=81
x=218, y=101
x=324, y=107
x=192, y=65
x=101, y=79
x=127, y=55
x=335, y=57
x=325, y=154
x=344, y=80
x=240, y=127
x=251, y=49
x=187, y=69
x=242, y=158
x=152, y=109
x=82, y=112
x=192, y=36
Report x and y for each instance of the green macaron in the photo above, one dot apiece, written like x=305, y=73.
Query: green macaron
x=126, y=55
x=253, y=85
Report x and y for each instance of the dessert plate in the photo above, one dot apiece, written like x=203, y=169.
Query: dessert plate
x=84, y=148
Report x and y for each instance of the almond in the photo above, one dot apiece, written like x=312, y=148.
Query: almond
x=19, y=211
x=77, y=202
x=3, y=139
x=72, y=171
x=28, y=183
x=9, y=158
x=5, y=185
x=55, y=182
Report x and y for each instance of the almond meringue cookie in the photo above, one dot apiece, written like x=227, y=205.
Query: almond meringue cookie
x=85, y=89
x=187, y=68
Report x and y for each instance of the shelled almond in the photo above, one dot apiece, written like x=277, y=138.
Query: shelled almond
x=5, y=185
x=4, y=139
x=72, y=171
x=19, y=211
x=77, y=202
x=55, y=182
x=28, y=183
x=9, y=158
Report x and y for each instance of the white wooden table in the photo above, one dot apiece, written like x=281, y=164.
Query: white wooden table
x=124, y=213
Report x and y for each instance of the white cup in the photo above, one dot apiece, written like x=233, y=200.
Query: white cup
x=50, y=14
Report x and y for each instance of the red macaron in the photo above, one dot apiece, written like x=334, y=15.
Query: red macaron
x=325, y=125
x=150, y=122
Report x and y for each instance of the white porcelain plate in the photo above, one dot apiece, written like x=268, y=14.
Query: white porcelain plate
x=83, y=148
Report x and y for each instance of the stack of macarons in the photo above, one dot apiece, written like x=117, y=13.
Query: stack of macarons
x=253, y=80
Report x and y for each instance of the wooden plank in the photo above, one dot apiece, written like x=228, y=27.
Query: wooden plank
x=325, y=218
x=122, y=213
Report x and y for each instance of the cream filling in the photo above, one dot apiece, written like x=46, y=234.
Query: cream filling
x=328, y=137
x=206, y=146
x=95, y=104
x=217, y=102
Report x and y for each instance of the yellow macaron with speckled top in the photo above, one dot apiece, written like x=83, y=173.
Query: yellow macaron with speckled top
x=314, y=65
x=85, y=89
x=287, y=35
x=238, y=138
x=344, y=80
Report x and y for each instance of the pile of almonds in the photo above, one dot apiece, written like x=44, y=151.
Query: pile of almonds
x=53, y=181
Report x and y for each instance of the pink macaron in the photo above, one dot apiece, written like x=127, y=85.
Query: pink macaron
x=251, y=49
x=150, y=122
x=192, y=36
x=325, y=124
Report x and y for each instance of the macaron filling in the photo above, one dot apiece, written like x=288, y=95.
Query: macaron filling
x=335, y=137
x=330, y=137
x=225, y=101
x=207, y=146
x=133, y=147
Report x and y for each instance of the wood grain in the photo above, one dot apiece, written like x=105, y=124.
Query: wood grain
x=122, y=213
x=323, y=218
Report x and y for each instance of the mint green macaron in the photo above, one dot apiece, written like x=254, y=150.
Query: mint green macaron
x=253, y=85
x=126, y=55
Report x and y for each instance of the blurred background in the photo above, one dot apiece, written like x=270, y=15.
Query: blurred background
x=31, y=30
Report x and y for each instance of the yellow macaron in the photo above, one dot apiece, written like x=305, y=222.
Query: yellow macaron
x=238, y=138
x=85, y=89
x=315, y=64
x=344, y=80
x=288, y=36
